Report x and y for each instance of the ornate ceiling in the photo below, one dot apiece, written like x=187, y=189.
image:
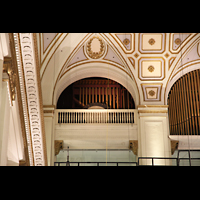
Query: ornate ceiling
x=147, y=64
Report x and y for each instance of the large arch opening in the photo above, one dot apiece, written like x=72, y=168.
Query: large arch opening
x=184, y=105
x=100, y=70
x=97, y=93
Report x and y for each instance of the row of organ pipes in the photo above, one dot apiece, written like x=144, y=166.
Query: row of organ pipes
x=102, y=91
x=183, y=101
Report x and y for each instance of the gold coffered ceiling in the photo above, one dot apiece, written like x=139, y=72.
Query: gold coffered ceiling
x=151, y=60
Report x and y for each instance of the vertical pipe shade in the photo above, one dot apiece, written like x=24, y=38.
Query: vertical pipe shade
x=184, y=105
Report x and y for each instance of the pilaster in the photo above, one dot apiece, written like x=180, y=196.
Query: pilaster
x=153, y=135
x=49, y=131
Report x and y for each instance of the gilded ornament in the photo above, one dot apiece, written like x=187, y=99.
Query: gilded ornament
x=95, y=55
x=151, y=93
x=133, y=145
x=126, y=41
x=178, y=41
x=58, y=146
x=151, y=68
x=152, y=41
x=166, y=55
x=8, y=68
x=174, y=146
x=136, y=55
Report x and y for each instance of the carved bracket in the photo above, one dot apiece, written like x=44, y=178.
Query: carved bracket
x=133, y=145
x=8, y=68
x=58, y=146
x=174, y=146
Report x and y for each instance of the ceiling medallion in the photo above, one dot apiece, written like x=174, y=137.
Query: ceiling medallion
x=178, y=41
x=126, y=41
x=151, y=93
x=95, y=48
x=166, y=55
x=151, y=41
x=151, y=68
x=136, y=55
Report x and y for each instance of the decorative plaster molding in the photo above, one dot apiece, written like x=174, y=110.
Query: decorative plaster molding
x=133, y=145
x=58, y=146
x=26, y=63
x=174, y=146
x=91, y=53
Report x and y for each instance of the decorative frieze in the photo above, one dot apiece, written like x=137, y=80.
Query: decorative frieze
x=24, y=48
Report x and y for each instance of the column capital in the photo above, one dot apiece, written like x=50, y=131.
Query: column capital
x=152, y=108
x=48, y=110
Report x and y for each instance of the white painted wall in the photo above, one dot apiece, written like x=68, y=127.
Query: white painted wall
x=96, y=136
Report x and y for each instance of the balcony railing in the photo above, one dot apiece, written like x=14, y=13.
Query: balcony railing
x=91, y=116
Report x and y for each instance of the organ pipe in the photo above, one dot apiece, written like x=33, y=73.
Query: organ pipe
x=183, y=101
x=102, y=91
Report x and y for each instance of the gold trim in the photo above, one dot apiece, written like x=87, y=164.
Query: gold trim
x=152, y=111
x=155, y=51
x=122, y=64
x=156, y=59
x=40, y=98
x=78, y=49
x=132, y=63
x=49, y=106
x=151, y=85
x=126, y=51
x=51, y=48
x=48, y=111
x=19, y=100
x=151, y=89
x=44, y=50
x=51, y=56
x=170, y=64
x=198, y=49
x=151, y=106
x=182, y=45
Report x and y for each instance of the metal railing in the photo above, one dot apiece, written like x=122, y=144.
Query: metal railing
x=80, y=116
x=179, y=161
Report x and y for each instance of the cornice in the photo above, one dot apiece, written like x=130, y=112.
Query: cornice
x=27, y=69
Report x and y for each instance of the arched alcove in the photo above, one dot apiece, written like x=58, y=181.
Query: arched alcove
x=102, y=70
x=95, y=92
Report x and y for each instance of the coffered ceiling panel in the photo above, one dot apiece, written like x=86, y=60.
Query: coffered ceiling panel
x=151, y=68
x=125, y=40
x=152, y=42
x=179, y=40
x=151, y=91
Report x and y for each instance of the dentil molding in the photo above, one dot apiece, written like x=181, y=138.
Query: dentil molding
x=26, y=63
